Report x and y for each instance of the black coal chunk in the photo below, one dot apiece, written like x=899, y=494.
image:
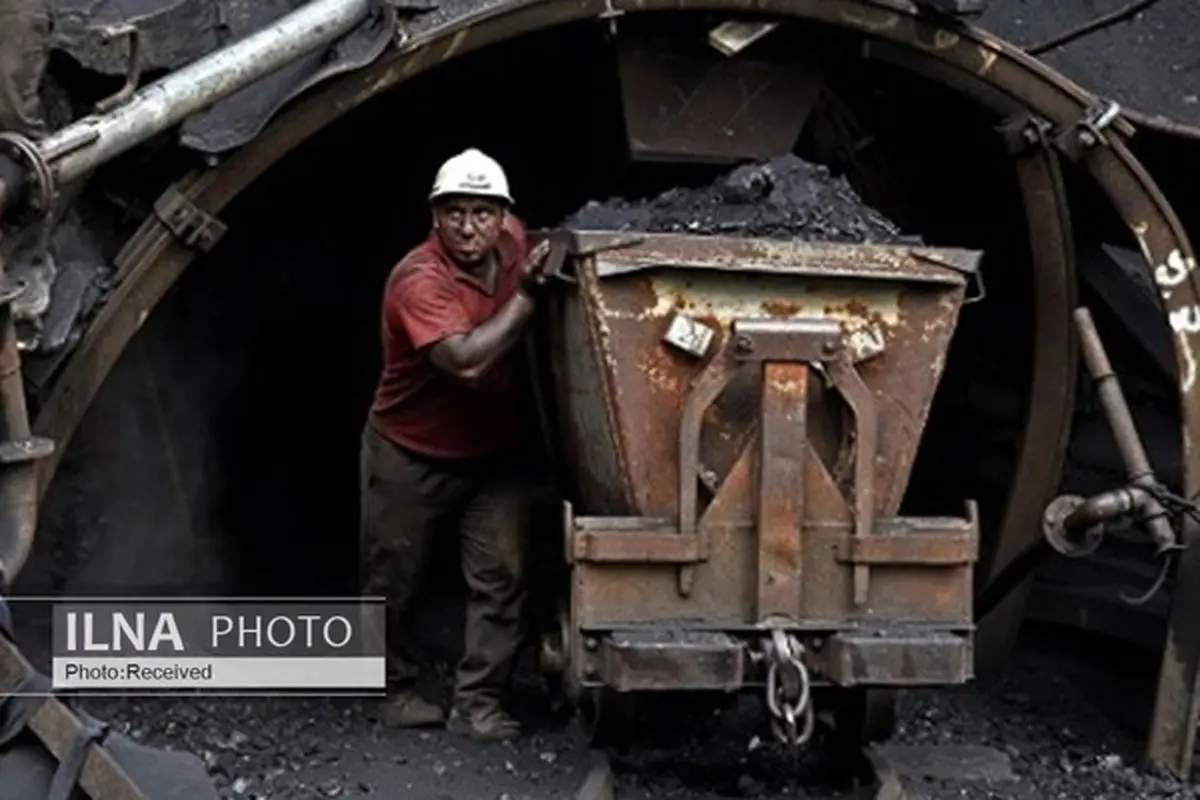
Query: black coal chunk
x=784, y=198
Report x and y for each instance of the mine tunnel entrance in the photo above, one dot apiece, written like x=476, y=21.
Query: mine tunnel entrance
x=221, y=454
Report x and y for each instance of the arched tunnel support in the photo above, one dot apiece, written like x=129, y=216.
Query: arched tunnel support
x=1061, y=117
x=1052, y=392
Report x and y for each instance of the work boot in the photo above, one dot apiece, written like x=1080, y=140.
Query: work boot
x=407, y=709
x=489, y=723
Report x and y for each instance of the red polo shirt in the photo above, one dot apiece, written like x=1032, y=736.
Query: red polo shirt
x=427, y=299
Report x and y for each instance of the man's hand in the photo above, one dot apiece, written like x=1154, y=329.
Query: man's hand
x=533, y=278
x=537, y=259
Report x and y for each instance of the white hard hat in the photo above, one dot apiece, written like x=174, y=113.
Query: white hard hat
x=471, y=172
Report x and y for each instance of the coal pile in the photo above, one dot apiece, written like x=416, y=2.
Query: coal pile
x=784, y=198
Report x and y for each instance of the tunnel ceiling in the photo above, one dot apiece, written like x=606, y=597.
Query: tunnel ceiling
x=1148, y=64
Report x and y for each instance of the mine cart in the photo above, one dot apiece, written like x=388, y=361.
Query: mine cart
x=741, y=416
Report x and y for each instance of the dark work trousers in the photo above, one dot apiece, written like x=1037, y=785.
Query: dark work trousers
x=408, y=500
x=24, y=51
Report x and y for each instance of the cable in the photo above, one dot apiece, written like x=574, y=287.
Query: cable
x=1154, y=589
x=1175, y=506
x=1091, y=26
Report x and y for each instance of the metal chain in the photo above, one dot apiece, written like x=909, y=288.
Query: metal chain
x=789, y=691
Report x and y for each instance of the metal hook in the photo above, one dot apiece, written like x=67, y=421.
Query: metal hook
x=133, y=70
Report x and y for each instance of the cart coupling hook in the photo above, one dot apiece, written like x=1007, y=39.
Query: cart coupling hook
x=789, y=690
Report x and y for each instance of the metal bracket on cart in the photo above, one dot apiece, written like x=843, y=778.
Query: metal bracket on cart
x=567, y=245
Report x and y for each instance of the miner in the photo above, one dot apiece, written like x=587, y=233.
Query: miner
x=438, y=446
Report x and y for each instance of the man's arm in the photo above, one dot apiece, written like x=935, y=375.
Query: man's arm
x=469, y=356
x=432, y=318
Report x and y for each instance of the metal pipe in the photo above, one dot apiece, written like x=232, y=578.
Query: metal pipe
x=1112, y=399
x=1137, y=463
x=1103, y=507
x=94, y=140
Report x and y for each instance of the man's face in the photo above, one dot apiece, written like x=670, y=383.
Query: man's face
x=468, y=227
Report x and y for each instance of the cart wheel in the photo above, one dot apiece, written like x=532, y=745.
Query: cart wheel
x=862, y=716
x=608, y=718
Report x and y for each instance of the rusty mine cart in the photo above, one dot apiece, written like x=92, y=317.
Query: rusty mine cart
x=741, y=417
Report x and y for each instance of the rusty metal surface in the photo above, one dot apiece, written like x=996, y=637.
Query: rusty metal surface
x=783, y=256
x=897, y=540
x=897, y=657
x=685, y=101
x=589, y=392
x=632, y=540
x=914, y=540
x=865, y=442
x=644, y=384
x=768, y=340
x=783, y=443
x=984, y=67
x=790, y=533
x=676, y=660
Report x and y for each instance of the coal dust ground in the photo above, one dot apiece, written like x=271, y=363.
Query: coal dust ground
x=1044, y=712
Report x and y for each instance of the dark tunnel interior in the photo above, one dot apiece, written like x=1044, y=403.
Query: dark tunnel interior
x=221, y=454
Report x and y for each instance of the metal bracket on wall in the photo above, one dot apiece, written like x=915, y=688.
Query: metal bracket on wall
x=1089, y=131
x=1023, y=133
x=135, y=40
x=191, y=224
